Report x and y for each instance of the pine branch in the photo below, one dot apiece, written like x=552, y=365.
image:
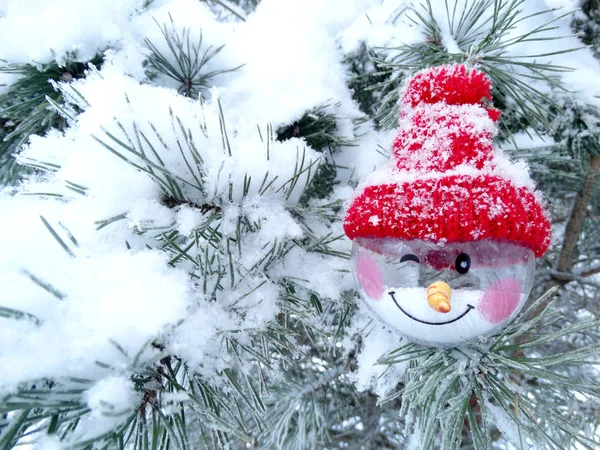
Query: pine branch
x=369, y=83
x=173, y=202
x=589, y=271
x=319, y=129
x=447, y=388
x=585, y=24
x=186, y=60
x=298, y=412
x=228, y=7
x=61, y=408
x=225, y=269
x=477, y=39
x=24, y=108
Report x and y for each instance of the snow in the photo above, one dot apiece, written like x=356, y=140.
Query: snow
x=584, y=78
x=303, y=72
x=119, y=287
x=84, y=29
x=49, y=442
x=6, y=79
x=122, y=298
x=378, y=25
x=111, y=396
x=505, y=423
x=116, y=290
x=528, y=139
x=182, y=18
x=378, y=341
x=111, y=401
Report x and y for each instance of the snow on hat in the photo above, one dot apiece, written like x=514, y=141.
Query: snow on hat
x=446, y=181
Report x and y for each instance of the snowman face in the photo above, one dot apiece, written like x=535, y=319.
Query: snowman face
x=443, y=294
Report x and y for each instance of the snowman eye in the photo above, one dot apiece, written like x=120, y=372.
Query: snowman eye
x=463, y=263
x=410, y=257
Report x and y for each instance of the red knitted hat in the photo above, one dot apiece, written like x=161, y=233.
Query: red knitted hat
x=446, y=181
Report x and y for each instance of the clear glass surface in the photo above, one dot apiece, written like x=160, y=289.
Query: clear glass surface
x=486, y=284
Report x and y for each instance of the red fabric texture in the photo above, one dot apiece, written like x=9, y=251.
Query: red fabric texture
x=452, y=84
x=455, y=140
x=445, y=125
x=456, y=208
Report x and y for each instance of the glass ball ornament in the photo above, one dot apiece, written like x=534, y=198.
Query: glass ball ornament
x=443, y=294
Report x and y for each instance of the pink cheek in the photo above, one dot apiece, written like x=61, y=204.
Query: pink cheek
x=369, y=277
x=500, y=300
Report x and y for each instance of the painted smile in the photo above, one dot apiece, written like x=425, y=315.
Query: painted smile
x=469, y=308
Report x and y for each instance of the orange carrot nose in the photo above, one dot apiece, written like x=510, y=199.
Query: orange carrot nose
x=438, y=296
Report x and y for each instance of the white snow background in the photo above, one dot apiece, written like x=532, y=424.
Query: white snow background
x=113, y=288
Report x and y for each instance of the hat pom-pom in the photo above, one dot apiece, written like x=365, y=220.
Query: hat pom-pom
x=452, y=84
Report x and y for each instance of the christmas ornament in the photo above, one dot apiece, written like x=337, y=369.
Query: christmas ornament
x=446, y=234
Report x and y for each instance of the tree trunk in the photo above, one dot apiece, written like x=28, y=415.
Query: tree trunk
x=564, y=265
x=578, y=213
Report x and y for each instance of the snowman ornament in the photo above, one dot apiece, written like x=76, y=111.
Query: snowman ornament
x=446, y=234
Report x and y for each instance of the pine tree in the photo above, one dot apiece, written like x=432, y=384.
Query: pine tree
x=174, y=270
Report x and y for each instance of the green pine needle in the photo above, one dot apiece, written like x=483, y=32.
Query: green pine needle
x=482, y=40
x=25, y=107
x=184, y=61
x=448, y=388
